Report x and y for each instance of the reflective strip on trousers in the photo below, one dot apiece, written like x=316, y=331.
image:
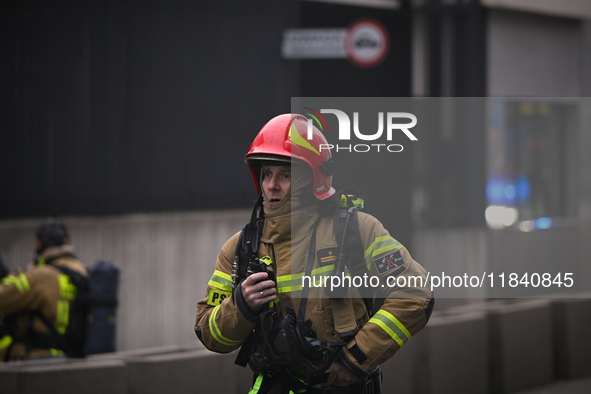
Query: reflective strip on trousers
x=257, y=384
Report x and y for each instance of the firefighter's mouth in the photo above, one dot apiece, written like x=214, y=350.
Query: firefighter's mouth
x=274, y=200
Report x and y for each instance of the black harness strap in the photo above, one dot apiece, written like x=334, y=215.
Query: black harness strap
x=248, y=243
x=351, y=251
x=346, y=227
x=309, y=264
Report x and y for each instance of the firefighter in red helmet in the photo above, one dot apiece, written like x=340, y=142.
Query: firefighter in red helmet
x=295, y=336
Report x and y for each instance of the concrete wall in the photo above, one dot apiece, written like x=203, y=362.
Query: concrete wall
x=165, y=261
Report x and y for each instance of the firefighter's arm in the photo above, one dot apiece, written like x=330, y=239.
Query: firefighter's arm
x=18, y=292
x=220, y=324
x=405, y=310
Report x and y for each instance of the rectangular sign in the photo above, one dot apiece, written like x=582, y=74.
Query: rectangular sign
x=314, y=44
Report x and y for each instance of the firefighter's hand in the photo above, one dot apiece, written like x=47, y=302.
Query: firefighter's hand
x=339, y=374
x=258, y=294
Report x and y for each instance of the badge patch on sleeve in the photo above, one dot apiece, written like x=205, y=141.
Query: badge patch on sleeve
x=216, y=296
x=389, y=262
x=327, y=256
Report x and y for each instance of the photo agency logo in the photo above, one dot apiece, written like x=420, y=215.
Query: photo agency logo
x=389, y=124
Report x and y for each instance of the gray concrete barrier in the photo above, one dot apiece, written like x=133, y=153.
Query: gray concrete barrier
x=494, y=347
x=572, y=342
x=521, y=345
x=399, y=372
x=64, y=377
x=456, y=354
x=185, y=372
x=181, y=369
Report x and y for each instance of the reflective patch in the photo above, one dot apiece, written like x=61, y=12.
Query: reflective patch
x=67, y=289
x=327, y=256
x=216, y=296
x=388, y=262
x=267, y=260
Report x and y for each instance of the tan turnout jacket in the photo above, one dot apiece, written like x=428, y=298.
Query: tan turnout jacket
x=223, y=325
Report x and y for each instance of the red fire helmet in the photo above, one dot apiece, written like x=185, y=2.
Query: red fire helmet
x=285, y=138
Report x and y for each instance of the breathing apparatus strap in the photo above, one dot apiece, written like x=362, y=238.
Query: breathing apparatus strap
x=303, y=349
x=309, y=265
x=248, y=243
x=351, y=252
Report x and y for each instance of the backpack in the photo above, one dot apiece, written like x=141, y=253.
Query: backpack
x=101, y=303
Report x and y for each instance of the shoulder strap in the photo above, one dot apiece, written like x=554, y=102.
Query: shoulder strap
x=348, y=236
x=248, y=242
x=81, y=282
x=346, y=228
x=309, y=265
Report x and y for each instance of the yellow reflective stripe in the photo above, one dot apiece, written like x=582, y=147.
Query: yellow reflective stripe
x=56, y=352
x=62, y=318
x=379, y=246
x=215, y=331
x=24, y=282
x=67, y=289
x=294, y=282
x=6, y=341
x=221, y=280
x=21, y=282
x=320, y=274
x=289, y=283
x=297, y=139
x=392, y=326
x=257, y=384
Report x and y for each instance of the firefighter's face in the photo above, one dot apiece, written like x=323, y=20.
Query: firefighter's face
x=276, y=182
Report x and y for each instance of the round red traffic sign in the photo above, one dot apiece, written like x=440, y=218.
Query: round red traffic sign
x=366, y=43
